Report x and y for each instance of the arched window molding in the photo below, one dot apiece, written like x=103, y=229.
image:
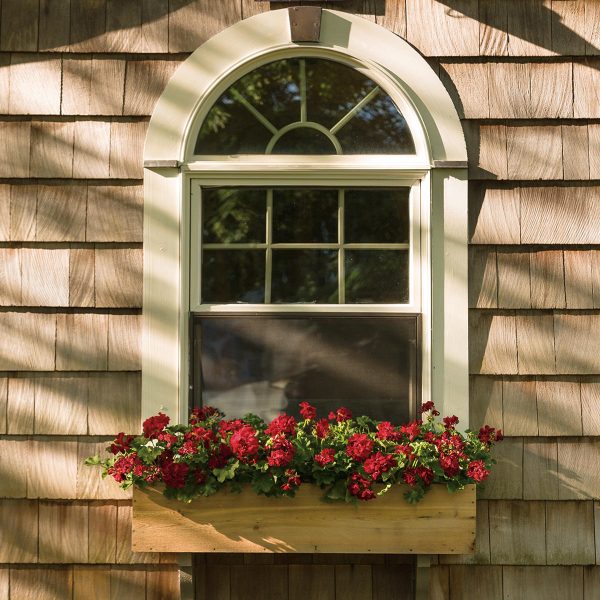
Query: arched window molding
x=440, y=165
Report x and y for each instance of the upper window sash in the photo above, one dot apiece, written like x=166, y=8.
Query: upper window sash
x=414, y=305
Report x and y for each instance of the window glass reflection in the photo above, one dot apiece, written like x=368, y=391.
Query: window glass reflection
x=304, y=276
x=232, y=215
x=377, y=216
x=355, y=115
x=305, y=215
x=268, y=364
x=233, y=276
x=377, y=276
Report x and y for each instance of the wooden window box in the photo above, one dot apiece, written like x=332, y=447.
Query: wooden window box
x=442, y=523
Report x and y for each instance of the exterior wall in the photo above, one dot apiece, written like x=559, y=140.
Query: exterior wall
x=78, y=81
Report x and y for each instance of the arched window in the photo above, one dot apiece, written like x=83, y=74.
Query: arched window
x=304, y=105
x=292, y=233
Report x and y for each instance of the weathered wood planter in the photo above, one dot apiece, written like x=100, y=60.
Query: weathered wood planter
x=442, y=523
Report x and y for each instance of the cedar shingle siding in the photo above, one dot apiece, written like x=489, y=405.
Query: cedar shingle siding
x=78, y=83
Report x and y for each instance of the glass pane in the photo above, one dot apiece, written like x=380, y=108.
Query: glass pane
x=233, y=276
x=332, y=90
x=377, y=216
x=304, y=276
x=255, y=108
x=304, y=140
x=252, y=364
x=231, y=128
x=305, y=215
x=233, y=215
x=377, y=276
x=378, y=128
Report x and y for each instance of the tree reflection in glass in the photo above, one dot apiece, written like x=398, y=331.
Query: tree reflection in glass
x=304, y=106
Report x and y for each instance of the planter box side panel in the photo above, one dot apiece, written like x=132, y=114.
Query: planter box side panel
x=442, y=523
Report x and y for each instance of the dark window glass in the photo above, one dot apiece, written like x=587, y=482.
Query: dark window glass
x=378, y=128
x=305, y=215
x=304, y=140
x=377, y=216
x=233, y=215
x=376, y=276
x=304, y=276
x=333, y=90
x=268, y=364
x=233, y=276
x=230, y=129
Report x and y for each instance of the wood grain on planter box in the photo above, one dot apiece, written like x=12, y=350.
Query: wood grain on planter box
x=442, y=523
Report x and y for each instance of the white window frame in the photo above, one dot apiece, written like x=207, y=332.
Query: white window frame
x=438, y=168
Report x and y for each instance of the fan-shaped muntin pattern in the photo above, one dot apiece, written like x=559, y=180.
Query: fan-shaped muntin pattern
x=304, y=105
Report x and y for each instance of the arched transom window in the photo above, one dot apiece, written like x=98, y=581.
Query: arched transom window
x=304, y=105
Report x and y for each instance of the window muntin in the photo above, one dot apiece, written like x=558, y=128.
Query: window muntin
x=305, y=245
x=304, y=105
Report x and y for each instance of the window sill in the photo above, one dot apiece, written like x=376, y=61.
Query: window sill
x=442, y=523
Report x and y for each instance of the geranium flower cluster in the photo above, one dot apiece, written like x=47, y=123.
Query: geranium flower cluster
x=348, y=458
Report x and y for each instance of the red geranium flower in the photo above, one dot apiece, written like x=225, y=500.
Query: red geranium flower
x=450, y=422
x=450, y=464
x=488, y=434
x=174, y=474
x=281, y=454
x=293, y=480
x=322, y=428
x=154, y=425
x=308, y=411
x=410, y=476
x=121, y=443
x=244, y=443
x=200, y=434
x=405, y=449
x=123, y=466
x=325, y=457
x=477, y=471
x=168, y=438
x=379, y=463
x=281, y=425
x=360, y=487
x=429, y=406
x=226, y=427
x=386, y=431
x=359, y=447
x=188, y=448
x=340, y=415
x=425, y=474
x=220, y=457
x=412, y=430
x=201, y=414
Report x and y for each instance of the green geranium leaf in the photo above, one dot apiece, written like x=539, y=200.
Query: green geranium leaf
x=455, y=486
x=323, y=478
x=208, y=488
x=227, y=472
x=413, y=495
x=337, y=491
x=262, y=484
